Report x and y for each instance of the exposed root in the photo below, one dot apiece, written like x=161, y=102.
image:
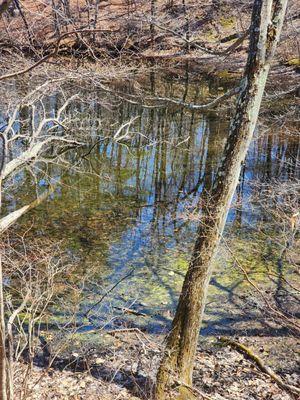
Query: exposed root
x=201, y=395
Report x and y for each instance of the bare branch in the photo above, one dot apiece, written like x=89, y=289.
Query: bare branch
x=51, y=54
x=11, y=218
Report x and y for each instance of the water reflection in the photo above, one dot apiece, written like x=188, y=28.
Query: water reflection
x=130, y=206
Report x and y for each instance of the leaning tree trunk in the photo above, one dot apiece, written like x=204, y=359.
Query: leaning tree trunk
x=177, y=362
x=3, y=369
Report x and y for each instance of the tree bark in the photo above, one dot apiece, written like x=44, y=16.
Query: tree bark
x=3, y=386
x=178, y=359
x=152, y=27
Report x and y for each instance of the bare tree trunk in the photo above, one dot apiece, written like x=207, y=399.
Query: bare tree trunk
x=187, y=26
x=55, y=18
x=96, y=18
x=2, y=323
x=2, y=340
x=3, y=386
x=29, y=33
x=67, y=9
x=88, y=13
x=152, y=28
x=177, y=362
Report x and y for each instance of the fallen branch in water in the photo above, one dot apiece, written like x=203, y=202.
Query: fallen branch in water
x=12, y=217
x=206, y=106
x=126, y=310
x=107, y=292
x=259, y=362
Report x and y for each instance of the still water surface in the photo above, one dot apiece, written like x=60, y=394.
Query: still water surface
x=128, y=212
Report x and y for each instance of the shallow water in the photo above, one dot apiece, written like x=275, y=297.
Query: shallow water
x=127, y=213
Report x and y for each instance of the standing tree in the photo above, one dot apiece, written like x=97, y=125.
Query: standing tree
x=177, y=362
x=152, y=27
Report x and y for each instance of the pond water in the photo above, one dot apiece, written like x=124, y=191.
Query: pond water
x=127, y=214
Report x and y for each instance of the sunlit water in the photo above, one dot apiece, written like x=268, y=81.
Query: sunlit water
x=127, y=212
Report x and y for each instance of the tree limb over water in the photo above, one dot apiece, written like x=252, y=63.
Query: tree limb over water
x=37, y=141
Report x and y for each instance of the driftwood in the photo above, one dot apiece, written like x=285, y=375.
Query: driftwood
x=259, y=362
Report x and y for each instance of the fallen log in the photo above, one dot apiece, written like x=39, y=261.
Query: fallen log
x=259, y=362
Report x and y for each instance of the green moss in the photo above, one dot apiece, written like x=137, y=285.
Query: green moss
x=226, y=75
x=210, y=36
x=227, y=22
x=181, y=264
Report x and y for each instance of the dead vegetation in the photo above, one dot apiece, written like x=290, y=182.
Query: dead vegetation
x=214, y=35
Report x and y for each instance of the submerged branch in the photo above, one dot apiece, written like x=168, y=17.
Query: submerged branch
x=107, y=292
x=206, y=106
x=11, y=218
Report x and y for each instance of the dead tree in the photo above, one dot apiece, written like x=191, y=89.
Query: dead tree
x=178, y=359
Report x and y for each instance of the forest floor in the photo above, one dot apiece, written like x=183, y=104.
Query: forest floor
x=214, y=28
x=126, y=370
